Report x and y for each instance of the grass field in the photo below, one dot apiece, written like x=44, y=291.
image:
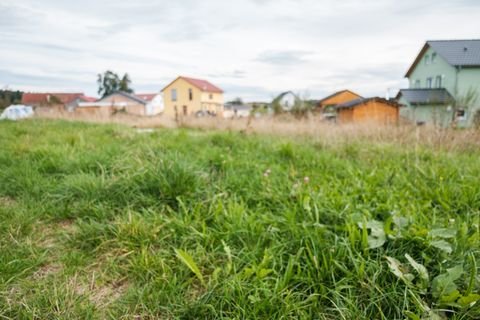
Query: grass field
x=100, y=221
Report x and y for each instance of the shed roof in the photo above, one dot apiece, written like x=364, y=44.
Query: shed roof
x=426, y=96
x=465, y=53
x=357, y=102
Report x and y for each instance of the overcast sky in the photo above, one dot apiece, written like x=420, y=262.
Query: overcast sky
x=254, y=49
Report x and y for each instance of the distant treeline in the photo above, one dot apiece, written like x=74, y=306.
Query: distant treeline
x=8, y=97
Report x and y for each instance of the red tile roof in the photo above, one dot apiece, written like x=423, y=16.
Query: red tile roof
x=203, y=85
x=146, y=96
x=41, y=98
x=88, y=99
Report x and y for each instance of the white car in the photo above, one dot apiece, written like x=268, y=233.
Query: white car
x=16, y=112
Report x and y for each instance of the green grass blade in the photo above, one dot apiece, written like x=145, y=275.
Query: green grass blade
x=187, y=259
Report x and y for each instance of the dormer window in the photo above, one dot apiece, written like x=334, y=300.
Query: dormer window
x=427, y=59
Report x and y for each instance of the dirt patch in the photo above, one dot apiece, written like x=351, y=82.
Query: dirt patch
x=51, y=234
x=100, y=294
x=7, y=202
x=46, y=270
x=195, y=292
x=66, y=225
x=108, y=293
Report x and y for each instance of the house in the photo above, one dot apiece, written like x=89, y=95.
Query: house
x=285, y=101
x=336, y=98
x=368, y=110
x=444, y=84
x=72, y=105
x=58, y=101
x=123, y=101
x=97, y=109
x=188, y=96
x=137, y=104
x=154, y=102
x=236, y=110
x=326, y=106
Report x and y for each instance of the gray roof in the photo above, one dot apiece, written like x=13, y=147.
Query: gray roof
x=426, y=96
x=458, y=52
x=283, y=94
x=351, y=103
x=465, y=53
x=125, y=94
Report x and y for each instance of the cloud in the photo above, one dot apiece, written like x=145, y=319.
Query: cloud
x=29, y=82
x=247, y=92
x=284, y=57
x=253, y=48
x=237, y=74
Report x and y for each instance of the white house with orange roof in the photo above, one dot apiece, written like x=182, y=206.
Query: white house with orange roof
x=154, y=103
x=186, y=96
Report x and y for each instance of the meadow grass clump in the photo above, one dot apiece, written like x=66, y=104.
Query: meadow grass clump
x=99, y=221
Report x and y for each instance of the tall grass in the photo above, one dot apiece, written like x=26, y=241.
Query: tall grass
x=324, y=133
x=100, y=221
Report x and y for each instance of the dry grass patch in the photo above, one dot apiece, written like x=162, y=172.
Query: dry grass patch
x=7, y=201
x=47, y=270
x=51, y=234
x=325, y=133
x=99, y=293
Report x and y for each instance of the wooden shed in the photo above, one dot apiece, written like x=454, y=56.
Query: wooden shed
x=376, y=110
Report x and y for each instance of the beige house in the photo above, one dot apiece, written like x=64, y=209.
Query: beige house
x=146, y=104
x=122, y=101
x=187, y=96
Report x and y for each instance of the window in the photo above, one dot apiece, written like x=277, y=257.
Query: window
x=190, y=94
x=438, y=81
x=429, y=83
x=427, y=59
x=434, y=57
x=461, y=114
x=210, y=96
x=417, y=84
x=174, y=94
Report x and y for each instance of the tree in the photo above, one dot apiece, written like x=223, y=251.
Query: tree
x=125, y=84
x=8, y=97
x=237, y=101
x=110, y=82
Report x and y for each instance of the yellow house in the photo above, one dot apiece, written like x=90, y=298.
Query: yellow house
x=186, y=96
